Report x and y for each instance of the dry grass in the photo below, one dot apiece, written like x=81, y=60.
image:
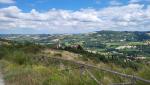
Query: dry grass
x=64, y=54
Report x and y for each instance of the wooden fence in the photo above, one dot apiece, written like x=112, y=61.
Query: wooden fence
x=84, y=67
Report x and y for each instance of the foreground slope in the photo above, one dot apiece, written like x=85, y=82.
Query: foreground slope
x=20, y=67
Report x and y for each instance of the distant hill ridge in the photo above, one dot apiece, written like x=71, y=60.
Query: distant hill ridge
x=127, y=35
x=83, y=38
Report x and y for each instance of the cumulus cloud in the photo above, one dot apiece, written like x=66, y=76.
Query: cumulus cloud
x=7, y=1
x=129, y=17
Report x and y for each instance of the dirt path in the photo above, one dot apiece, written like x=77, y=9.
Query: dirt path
x=1, y=79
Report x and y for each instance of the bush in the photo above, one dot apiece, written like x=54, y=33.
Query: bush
x=18, y=57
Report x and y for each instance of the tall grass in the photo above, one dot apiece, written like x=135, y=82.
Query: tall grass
x=19, y=68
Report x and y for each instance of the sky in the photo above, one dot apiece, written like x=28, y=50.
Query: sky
x=73, y=16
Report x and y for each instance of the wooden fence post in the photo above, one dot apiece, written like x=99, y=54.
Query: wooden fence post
x=133, y=80
x=81, y=71
x=93, y=77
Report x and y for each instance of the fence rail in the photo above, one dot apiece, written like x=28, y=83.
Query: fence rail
x=133, y=78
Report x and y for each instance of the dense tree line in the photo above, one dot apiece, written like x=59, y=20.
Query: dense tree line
x=116, y=58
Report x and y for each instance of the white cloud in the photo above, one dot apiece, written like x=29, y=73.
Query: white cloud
x=130, y=17
x=7, y=1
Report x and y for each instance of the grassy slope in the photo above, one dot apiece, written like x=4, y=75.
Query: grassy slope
x=20, y=69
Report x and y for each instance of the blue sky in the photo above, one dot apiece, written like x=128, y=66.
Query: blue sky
x=73, y=16
x=45, y=5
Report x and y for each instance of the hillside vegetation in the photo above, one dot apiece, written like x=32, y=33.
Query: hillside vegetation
x=24, y=59
x=20, y=66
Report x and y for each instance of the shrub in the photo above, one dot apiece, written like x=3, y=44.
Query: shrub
x=18, y=57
